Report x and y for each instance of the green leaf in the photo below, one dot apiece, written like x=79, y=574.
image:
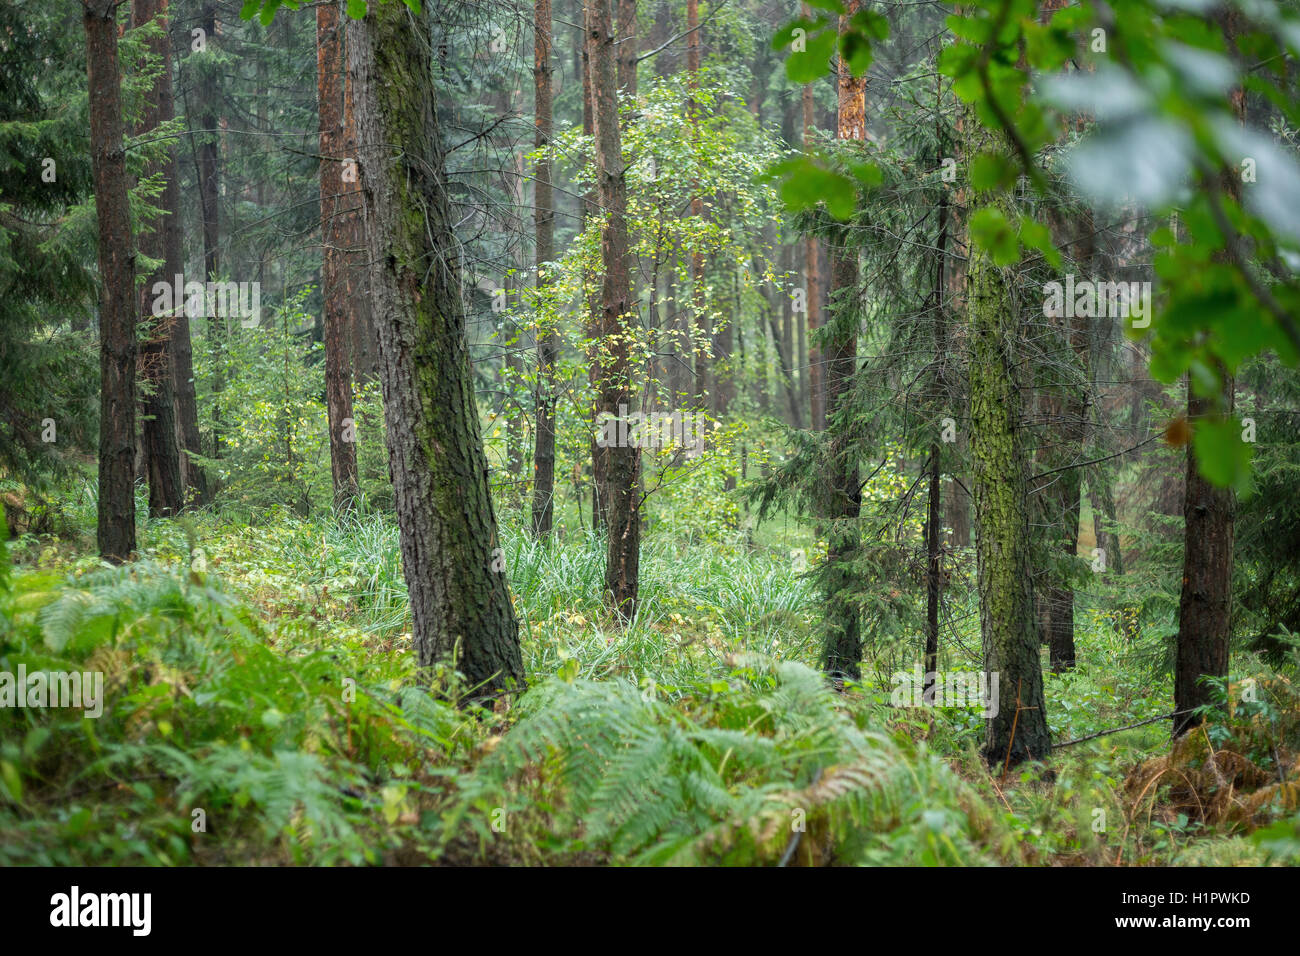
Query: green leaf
x=992, y=171
x=805, y=183
x=991, y=231
x=1222, y=457
x=814, y=61
x=1035, y=235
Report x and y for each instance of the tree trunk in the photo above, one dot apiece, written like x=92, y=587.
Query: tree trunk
x=617, y=326
x=1018, y=731
x=1209, y=513
x=599, y=455
x=364, y=343
x=627, y=48
x=812, y=276
x=335, y=243
x=209, y=190
x=1205, y=605
x=160, y=239
x=547, y=339
x=843, y=652
x=117, y=309
x=460, y=599
x=933, y=567
x=700, y=334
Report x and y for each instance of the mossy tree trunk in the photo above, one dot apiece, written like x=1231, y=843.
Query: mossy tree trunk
x=460, y=600
x=1018, y=730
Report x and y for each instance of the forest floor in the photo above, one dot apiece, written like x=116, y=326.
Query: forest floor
x=260, y=706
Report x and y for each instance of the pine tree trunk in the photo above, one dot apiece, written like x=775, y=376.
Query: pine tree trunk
x=460, y=599
x=700, y=333
x=209, y=189
x=614, y=396
x=843, y=652
x=1205, y=605
x=364, y=344
x=1018, y=731
x=335, y=243
x=1209, y=514
x=812, y=275
x=627, y=47
x=933, y=567
x=596, y=372
x=547, y=340
x=117, y=301
x=160, y=239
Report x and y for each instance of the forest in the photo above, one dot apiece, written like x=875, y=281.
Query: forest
x=584, y=433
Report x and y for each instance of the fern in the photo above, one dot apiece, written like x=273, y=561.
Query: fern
x=732, y=777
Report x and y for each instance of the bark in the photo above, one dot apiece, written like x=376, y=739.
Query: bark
x=1205, y=605
x=160, y=239
x=627, y=47
x=209, y=188
x=614, y=396
x=335, y=242
x=460, y=600
x=364, y=336
x=843, y=653
x=547, y=340
x=599, y=455
x=933, y=567
x=787, y=341
x=117, y=303
x=812, y=274
x=700, y=331
x=1018, y=731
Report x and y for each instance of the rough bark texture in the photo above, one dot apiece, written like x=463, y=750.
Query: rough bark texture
x=1209, y=514
x=623, y=463
x=160, y=239
x=336, y=270
x=117, y=301
x=599, y=455
x=812, y=279
x=933, y=564
x=460, y=600
x=843, y=653
x=365, y=337
x=627, y=47
x=209, y=187
x=700, y=334
x=1205, y=605
x=544, y=221
x=1018, y=731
